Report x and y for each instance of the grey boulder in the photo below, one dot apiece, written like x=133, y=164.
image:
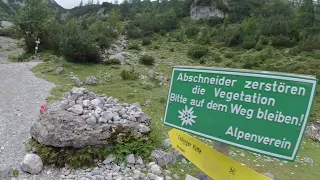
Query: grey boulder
x=32, y=164
x=163, y=158
x=91, y=80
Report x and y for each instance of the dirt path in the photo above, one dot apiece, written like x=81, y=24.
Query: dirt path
x=21, y=95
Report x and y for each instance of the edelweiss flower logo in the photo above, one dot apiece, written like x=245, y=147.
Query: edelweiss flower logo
x=187, y=116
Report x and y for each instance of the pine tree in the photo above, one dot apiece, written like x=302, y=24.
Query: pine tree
x=81, y=3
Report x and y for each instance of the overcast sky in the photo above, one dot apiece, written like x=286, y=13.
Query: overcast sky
x=73, y=3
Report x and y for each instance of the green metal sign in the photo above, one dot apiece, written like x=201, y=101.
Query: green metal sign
x=263, y=112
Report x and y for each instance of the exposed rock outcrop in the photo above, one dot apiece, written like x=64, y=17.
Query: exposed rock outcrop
x=205, y=12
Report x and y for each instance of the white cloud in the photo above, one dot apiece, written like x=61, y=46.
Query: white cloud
x=73, y=3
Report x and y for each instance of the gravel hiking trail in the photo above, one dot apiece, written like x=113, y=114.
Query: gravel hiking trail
x=21, y=95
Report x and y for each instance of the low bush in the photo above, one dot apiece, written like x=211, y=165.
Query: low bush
x=229, y=55
x=171, y=49
x=134, y=46
x=80, y=48
x=162, y=32
x=104, y=42
x=213, y=21
x=129, y=74
x=191, y=31
x=233, y=36
x=147, y=60
x=10, y=32
x=283, y=41
x=197, y=51
x=249, y=43
x=203, y=60
x=76, y=158
x=146, y=41
x=112, y=62
x=19, y=58
x=156, y=47
x=309, y=44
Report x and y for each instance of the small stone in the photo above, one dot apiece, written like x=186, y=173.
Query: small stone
x=116, y=118
x=109, y=159
x=148, y=103
x=32, y=164
x=184, y=161
x=139, y=161
x=96, y=102
x=86, y=103
x=144, y=129
x=116, y=168
x=130, y=159
x=167, y=172
x=176, y=177
x=91, y=80
x=163, y=158
x=166, y=143
x=242, y=155
x=91, y=121
x=308, y=160
x=155, y=169
x=77, y=109
x=168, y=178
x=59, y=70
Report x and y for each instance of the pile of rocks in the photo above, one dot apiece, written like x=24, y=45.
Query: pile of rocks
x=133, y=168
x=82, y=118
x=313, y=132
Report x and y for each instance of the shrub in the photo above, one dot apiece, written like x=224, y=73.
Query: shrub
x=19, y=58
x=129, y=74
x=156, y=47
x=10, y=32
x=171, y=49
x=191, y=31
x=283, y=41
x=217, y=58
x=146, y=41
x=162, y=32
x=78, y=48
x=81, y=157
x=147, y=60
x=228, y=55
x=134, y=46
x=215, y=21
x=233, y=36
x=104, y=42
x=134, y=32
x=259, y=45
x=249, y=42
x=309, y=44
x=112, y=62
x=202, y=60
x=198, y=51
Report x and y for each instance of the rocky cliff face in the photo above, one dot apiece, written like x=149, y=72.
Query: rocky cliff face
x=201, y=9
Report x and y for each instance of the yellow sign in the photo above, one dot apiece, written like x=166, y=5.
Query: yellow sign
x=210, y=161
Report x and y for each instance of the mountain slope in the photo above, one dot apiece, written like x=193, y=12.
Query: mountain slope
x=12, y=6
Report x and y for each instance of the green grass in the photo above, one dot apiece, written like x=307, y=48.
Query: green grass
x=15, y=173
x=111, y=84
